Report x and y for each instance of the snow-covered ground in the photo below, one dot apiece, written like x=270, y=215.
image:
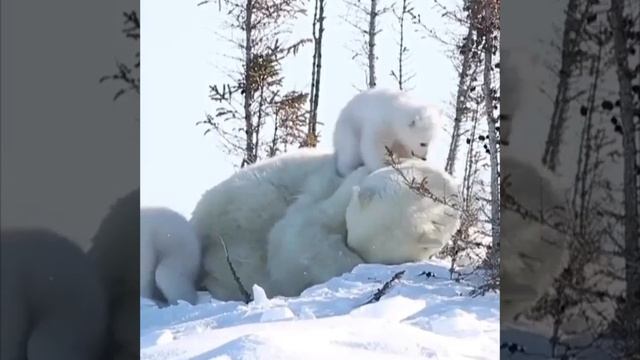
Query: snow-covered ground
x=420, y=317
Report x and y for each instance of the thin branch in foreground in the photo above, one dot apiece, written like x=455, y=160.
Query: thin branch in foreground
x=245, y=294
x=385, y=288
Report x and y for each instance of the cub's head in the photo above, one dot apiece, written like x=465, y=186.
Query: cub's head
x=417, y=127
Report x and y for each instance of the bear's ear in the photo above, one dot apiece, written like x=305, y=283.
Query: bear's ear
x=364, y=196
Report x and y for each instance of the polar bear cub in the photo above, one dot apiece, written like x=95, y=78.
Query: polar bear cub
x=390, y=223
x=308, y=245
x=379, y=118
x=169, y=256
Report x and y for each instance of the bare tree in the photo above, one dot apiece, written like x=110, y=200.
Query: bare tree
x=488, y=33
x=462, y=94
x=289, y=120
x=241, y=123
x=466, y=243
x=401, y=76
x=570, y=58
x=373, y=14
x=129, y=75
x=314, y=95
x=631, y=238
x=479, y=19
x=369, y=12
x=595, y=299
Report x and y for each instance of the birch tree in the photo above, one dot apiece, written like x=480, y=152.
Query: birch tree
x=248, y=103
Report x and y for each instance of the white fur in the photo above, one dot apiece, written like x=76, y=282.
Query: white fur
x=115, y=251
x=532, y=254
x=283, y=222
x=377, y=118
x=308, y=245
x=52, y=304
x=169, y=256
x=242, y=209
x=389, y=223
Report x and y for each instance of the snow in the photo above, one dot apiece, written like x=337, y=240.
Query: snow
x=418, y=318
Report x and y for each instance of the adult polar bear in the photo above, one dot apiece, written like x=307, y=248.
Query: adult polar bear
x=314, y=232
x=385, y=222
x=51, y=304
x=242, y=210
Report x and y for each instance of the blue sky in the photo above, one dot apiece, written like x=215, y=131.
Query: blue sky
x=182, y=55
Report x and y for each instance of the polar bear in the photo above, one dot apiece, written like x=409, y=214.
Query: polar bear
x=308, y=245
x=532, y=254
x=377, y=119
x=241, y=210
x=169, y=256
x=390, y=223
x=115, y=251
x=52, y=305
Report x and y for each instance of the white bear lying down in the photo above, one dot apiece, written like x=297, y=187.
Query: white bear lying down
x=285, y=249
x=308, y=245
x=115, y=251
x=242, y=209
x=379, y=118
x=169, y=256
x=389, y=223
x=533, y=254
x=52, y=305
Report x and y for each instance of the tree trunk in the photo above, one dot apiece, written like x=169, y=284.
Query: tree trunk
x=318, y=30
x=632, y=275
x=461, y=102
x=373, y=14
x=469, y=167
x=493, y=139
x=561, y=101
x=401, y=52
x=585, y=151
x=249, y=157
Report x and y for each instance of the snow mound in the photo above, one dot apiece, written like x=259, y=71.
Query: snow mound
x=418, y=318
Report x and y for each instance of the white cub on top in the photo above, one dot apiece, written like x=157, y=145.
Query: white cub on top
x=379, y=118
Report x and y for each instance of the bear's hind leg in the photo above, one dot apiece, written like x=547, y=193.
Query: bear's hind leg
x=174, y=283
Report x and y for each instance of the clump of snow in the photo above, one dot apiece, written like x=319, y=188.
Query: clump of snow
x=260, y=298
x=418, y=318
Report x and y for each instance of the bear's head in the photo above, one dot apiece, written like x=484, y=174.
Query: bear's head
x=417, y=127
x=390, y=223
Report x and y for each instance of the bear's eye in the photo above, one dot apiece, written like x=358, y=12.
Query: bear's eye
x=423, y=144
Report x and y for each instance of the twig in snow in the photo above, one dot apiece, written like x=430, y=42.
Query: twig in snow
x=245, y=294
x=385, y=288
x=427, y=274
